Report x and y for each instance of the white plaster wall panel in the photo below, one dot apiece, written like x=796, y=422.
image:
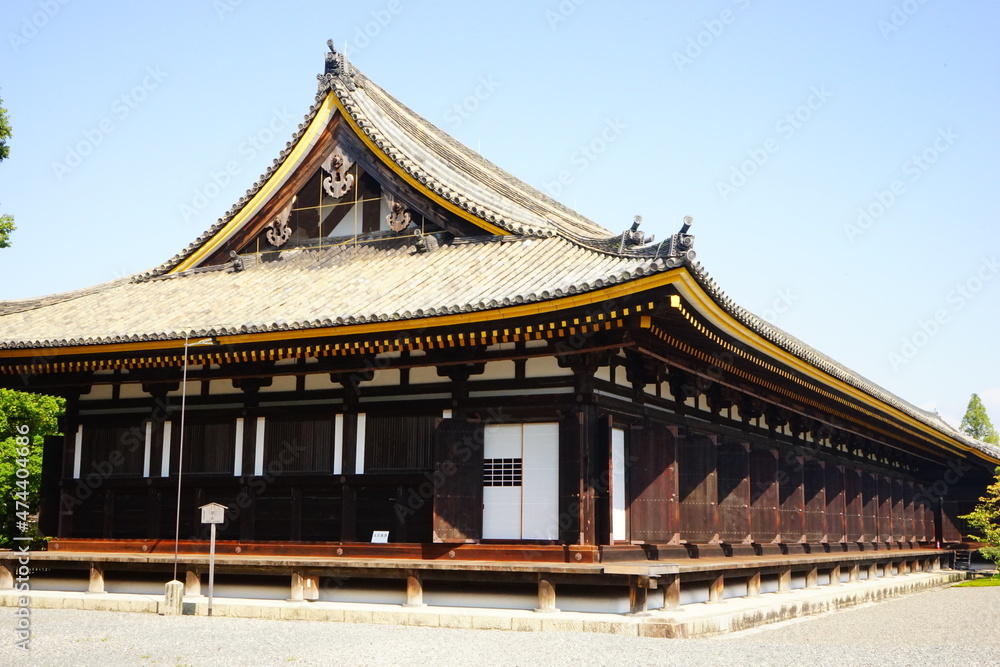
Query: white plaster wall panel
x=618, y=527
x=99, y=392
x=317, y=381
x=384, y=378
x=498, y=370
x=540, y=491
x=280, y=383
x=131, y=390
x=425, y=375
x=544, y=367
x=222, y=387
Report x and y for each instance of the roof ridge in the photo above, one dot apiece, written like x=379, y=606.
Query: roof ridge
x=827, y=364
x=34, y=303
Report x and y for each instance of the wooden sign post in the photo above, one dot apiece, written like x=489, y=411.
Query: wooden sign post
x=212, y=513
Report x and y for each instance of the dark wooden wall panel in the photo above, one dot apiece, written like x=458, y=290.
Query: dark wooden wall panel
x=697, y=488
x=853, y=503
x=909, y=515
x=458, y=500
x=763, y=495
x=652, y=484
x=814, y=500
x=791, y=508
x=884, y=508
x=836, y=507
x=734, y=492
x=951, y=525
x=869, y=506
x=898, y=518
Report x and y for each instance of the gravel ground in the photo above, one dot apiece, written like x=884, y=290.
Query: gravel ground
x=950, y=626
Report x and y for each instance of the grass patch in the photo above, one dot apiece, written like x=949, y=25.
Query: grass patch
x=985, y=581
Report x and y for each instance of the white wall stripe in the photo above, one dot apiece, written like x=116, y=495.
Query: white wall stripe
x=338, y=444
x=147, y=453
x=78, y=452
x=238, y=456
x=359, y=461
x=165, y=460
x=258, y=454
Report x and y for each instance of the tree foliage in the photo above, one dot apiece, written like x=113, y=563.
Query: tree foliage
x=6, y=221
x=38, y=416
x=977, y=423
x=985, y=521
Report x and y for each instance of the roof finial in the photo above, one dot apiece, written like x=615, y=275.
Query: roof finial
x=337, y=66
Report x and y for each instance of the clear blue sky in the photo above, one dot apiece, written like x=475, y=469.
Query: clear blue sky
x=775, y=125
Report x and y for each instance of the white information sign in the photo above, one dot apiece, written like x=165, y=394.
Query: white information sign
x=213, y=513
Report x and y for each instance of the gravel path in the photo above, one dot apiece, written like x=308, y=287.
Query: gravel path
x=951, y=626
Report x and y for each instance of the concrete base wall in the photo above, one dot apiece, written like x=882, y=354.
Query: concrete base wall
x=693, y=620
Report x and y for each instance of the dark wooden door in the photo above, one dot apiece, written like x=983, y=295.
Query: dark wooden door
x=763, y=495
x=697, y=490
x=836, y=510
x=734, y=492
x=458, y=472
x=652, y=484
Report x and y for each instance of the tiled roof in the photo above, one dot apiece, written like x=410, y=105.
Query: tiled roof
x=453, y=171
x=319, y=287
x=828, y=365
x=433, y=158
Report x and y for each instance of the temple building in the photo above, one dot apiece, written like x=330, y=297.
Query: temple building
x=391, y=348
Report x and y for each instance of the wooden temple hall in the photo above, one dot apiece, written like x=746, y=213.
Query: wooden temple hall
x=398, y=365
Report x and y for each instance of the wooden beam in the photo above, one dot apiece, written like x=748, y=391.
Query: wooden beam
x=546, y=594
x=414, y=589
x=96, y=583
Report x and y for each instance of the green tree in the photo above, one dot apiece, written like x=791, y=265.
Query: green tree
x=25, y=420
x=977, y=423
x=985, y=521
x=6, y=221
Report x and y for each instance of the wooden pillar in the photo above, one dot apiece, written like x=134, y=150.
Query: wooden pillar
x=547, y=594
x=873, y=572
x=638, y=588
x=753, y=585
x=716, y=589
x=854, y=574
x=414, y=589
x=936, y=564
x=835, y=575
x=672, y=592
x=812, y=577
x=192, y=582
x=304, y=586
x=96, y=584
x=6, y=575
x=785, y=580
